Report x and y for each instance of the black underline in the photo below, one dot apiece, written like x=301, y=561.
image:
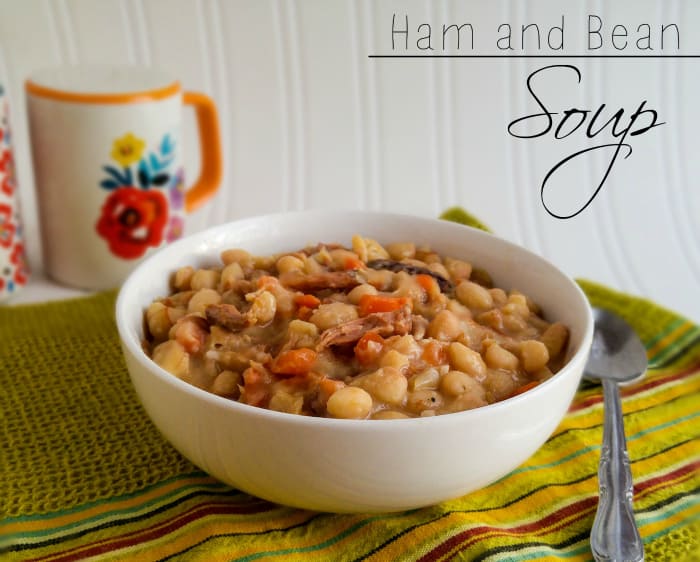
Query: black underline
x=533, y=56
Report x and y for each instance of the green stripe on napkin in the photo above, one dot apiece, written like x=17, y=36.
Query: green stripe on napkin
x=457, y=214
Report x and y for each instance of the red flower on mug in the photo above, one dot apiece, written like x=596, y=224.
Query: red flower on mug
x=7, y=227
x=7, y=168
x=18, y=259
x=132, y=220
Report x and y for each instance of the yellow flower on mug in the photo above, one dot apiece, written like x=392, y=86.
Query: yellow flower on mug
x=128, y=149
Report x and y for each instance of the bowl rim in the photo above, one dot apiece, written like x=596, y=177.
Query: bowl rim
x=131, y=342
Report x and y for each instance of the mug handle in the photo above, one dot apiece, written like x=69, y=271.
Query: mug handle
x=210, y=149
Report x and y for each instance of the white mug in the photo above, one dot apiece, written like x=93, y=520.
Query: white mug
x=13, y=266
x=107, y=154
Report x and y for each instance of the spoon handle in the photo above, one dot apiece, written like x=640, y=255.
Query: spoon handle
x=614, y=536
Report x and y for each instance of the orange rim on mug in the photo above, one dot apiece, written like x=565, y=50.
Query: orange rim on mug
x=81, y=97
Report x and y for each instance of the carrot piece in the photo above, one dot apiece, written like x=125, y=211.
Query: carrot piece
x=326, y=387
x=304, y=313
x=309, y=301
x=369, y=347
x=427, y=282
x=434, y=353
x=294, y=362
x=255, y=388
x=525, y=387
x=381, y=303
x=190, y=333
x=353, y=263
x=267, y=282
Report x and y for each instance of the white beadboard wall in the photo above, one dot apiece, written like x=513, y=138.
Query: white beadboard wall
x=309, y=121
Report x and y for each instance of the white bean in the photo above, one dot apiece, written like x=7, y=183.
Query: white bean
x=358, y=292
x=393, y=358
x=386, y=385
x=534, y=355
x=226, y=384
x=236, y=255
x=203, y=298
x=428, y=379
x=463, y=358
x=498, y=358
x=263, y=309
x=182, y=277
x=158, y=320
x=555, y=338
x=205, y=279
x=331, y=314
x=230, y=274
x=349, y=402
x=289, y=263
x=474, y=295
x=424, y=399
x=455, y=383
x=283, y=401
x=172, y=357
x=445, y=326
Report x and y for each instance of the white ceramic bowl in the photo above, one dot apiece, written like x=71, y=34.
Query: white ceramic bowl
x=354, y=465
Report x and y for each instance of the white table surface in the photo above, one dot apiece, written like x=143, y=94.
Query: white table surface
x=41, y=289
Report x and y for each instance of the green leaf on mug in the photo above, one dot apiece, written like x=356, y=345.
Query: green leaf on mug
x=160, y=179
x=109, y=184
x=144, y=179
x=128, y=176
x=144, y=174
x=117, y=176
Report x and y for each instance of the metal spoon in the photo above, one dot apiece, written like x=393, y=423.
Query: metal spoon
x=617, y=355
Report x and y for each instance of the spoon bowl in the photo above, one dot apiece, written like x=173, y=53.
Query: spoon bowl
x=617, y=355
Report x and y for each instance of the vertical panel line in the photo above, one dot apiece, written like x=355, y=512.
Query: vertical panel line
x=202, y=28
x=682, y=163
x=528, y=204
x=128, y=32
x=285, y=99
x=672, y=164
x=361, y=136
x=67, y=32
x=448, y=102
x=138, y=19
x=435, y=109
x=222, y=95
x=53, y=17
x=206, y=54
x=292, y=71
x=588, y=93
x=619, y=265
x=378, y=200
x=298, y=71
x=512, y=72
